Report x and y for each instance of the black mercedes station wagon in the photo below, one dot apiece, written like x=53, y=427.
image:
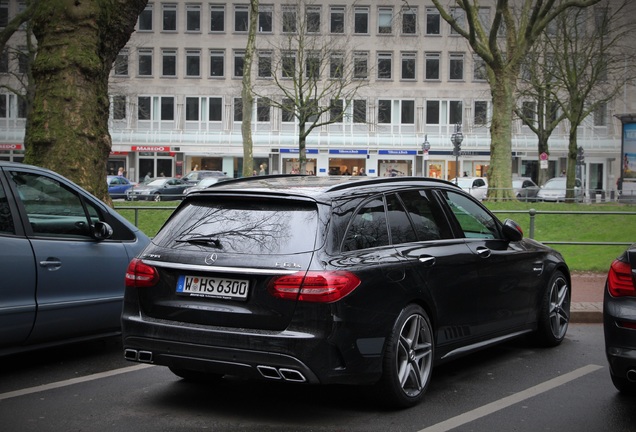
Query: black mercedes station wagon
x=324, y=280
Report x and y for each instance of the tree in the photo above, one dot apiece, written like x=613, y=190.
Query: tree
x=77, y=43
x=247, y=99
x=306, y=75
x=502, y=41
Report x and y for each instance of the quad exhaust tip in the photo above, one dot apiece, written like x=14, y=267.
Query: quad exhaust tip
x=139, y=356
x=284, y=374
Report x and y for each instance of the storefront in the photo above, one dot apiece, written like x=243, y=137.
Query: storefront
x=345, y=162
x=290, y=164
x=12, y=152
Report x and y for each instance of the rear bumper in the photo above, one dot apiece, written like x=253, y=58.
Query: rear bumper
x=620, y=341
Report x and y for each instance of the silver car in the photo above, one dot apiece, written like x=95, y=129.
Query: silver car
x=554, y=190
x=63, y=260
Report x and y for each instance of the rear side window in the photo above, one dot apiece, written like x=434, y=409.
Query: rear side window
x=237, y=226
x=368, y=227
x=428, y=223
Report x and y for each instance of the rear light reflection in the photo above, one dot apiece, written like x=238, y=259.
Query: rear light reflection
x=141, y=275
x=620, y=281
x=314, y=286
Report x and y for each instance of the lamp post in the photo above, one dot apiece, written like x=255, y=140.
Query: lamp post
x=426, y=146
x=457, y=139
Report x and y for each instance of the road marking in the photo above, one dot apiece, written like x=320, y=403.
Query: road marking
x=72, y=381
x=500, y=404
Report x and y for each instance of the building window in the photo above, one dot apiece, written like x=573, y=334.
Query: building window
x=167, y=108
x=432, y=112
x=241, y=18
x=409, y=20
x=192, y=109
x=119, y=107
x=384, y=65
x=460, y=18
x=336, y=67
x=359, y=111
x=336, y=110
x=169, y=62
x=265, y=18
x=407, y=112
x=455, y=112
x=263, y=108
x=143, y=108
x=217, y=63
x=169, y=17
x=145, y=62
x=287, y=113
x=290, y=19
x=22, y=106
x=433, y=21
x=529, y=111
x=238, y=109
x=456, y=67
x=193, y=63
x=288, y=64
x=312, y=65
x=239, y=62
x=481, y=113
x=385, y=20
x=408, y=65
x=145, y=19
x=4, y=14
x=361, y=20
x=193, y=18
x=360, y=65
x=432, y=66
x=215, y=109
x=312, y=19
x=23, y=59
x=265, y=64
x=384, y=111
x=121, y=63
x=3, y=105
x=479, y=69
x=217, y=18
x=337, y=19
x=4, y=62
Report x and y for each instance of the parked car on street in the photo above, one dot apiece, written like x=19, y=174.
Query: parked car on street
x=195, y=176
x=205, y=183
x=554, y=190
x=619, y=321
x=525, y=189
x=158, y=189
x=350, y=280
x=117, y=186
x=63, y=258
x=476, y=186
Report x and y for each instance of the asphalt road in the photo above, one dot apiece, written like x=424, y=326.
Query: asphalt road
x=512, y=387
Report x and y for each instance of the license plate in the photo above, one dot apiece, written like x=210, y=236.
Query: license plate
x=198, y=286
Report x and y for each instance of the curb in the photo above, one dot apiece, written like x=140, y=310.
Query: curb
x=586, y=313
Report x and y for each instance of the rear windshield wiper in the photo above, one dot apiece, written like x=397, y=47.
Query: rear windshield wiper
x=202, y=240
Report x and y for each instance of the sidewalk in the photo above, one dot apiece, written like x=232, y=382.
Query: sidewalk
x=587, y=297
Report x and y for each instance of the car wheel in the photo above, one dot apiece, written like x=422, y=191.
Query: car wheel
x=554, y=315
x=408, y=359
x=157, y=197
x=195, y=376
x=623, y=385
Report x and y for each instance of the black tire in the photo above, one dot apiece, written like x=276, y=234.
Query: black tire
x=408, y=359
x=195, y=376
x=623, y=385
x=554, y=313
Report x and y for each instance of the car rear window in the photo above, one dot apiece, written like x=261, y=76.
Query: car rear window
x=254, y=227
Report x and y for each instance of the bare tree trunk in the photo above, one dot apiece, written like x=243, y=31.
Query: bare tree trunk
x=246, y=93
x=77, y=44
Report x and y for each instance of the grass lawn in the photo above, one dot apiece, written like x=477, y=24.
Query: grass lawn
x=564, y=227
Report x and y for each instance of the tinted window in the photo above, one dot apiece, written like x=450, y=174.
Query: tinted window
x=475, y=222
x=6, y=221
x=401, y=229
x=427, y=226
x=52, y=209
x=368, y=227
x=242, y=227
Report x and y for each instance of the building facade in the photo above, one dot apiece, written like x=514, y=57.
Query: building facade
x=176, y=96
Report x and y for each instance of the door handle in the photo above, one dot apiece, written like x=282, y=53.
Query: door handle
x=483, y=252
x=51, y=263
x=427, y=260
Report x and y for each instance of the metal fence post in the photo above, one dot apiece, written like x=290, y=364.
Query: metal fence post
x=533, y=213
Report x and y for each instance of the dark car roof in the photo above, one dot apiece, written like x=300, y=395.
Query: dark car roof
x=316, y=187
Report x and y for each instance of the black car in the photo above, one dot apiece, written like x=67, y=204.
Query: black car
x=350, y=280
x=158, y=189
x=619, y=321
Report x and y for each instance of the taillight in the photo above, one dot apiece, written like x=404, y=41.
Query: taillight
x=620, y=282
x=141, y=275
x=314, y=286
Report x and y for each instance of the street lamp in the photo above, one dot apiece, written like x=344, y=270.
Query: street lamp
x=457, y=139
x=426, y=146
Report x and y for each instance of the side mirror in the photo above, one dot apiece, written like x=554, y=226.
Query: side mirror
x=101, y=231
x=512, y=230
